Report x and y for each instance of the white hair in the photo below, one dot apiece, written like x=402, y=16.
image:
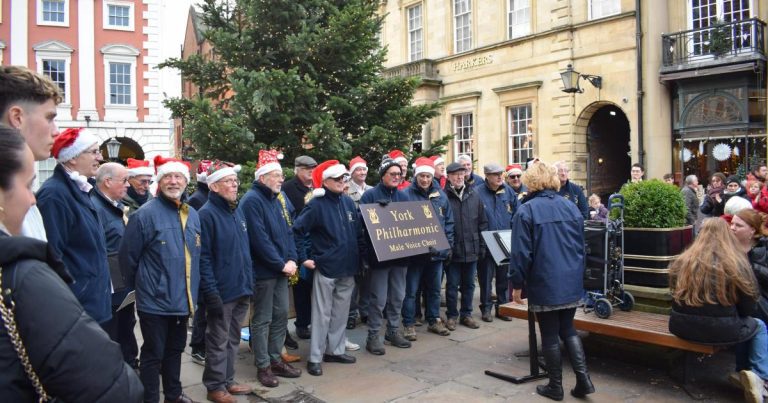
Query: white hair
x=464, y=157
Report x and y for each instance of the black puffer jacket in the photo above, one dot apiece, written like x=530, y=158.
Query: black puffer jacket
x=714, y=324
x=469, y=221
x=73, y=357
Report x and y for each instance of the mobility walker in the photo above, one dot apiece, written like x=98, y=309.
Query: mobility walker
x=604, y=268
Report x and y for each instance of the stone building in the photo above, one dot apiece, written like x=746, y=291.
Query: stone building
x=656, y=77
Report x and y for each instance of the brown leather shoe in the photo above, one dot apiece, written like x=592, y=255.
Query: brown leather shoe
x=266, y=377
x=239, y=389
x=285, y=370
x=220, y=396
x=289, y=358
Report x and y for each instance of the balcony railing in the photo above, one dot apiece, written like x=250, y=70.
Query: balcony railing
x=739, y=38
x=424, y=68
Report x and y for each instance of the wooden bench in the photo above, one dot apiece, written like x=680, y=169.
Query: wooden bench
x=643, y=327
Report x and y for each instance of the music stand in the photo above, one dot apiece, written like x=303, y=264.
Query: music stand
x=499, y=244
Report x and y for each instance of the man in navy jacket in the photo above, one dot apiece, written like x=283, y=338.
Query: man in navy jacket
x=160, y=257
x=111, y=186
x=330, y=219
x=226, y=281
x=427, y=269
x=274, y=257
x=500, y=204
x=72, y=222
x=387, y=279
x=570, y=190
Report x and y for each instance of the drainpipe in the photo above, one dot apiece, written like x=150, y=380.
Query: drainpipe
x=639, y=67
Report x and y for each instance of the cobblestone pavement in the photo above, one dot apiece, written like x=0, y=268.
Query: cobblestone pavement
x=451, y=369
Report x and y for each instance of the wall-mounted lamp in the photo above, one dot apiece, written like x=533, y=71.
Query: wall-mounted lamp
x=600, y=161
x=87, y=120
x=113, y=149
x=571, y=78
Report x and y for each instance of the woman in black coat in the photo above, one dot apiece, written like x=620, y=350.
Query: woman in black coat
x=714, y=293
x=70, y=355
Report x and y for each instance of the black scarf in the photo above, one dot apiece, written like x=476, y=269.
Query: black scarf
x=137, y=197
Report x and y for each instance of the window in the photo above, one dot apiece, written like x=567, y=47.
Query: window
x=415, y=34
x=603, y=8
x=462, y=130
x=119, y=83
x=44, y=171
x=118, y=15
x=705, y=13
x=519, y=119
x=462, y=21
x=519, y=18
x=53, y=12
x=56, y=70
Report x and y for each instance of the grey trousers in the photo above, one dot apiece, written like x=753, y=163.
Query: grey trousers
x=330, y=304
x=222, y=339
x=387, y=289
x=269, y=319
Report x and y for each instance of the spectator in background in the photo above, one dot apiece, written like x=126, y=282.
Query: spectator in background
x=139, y=177
x=754, y=189
x=72, y=222
x=733, y=206
x=70, y=355
x=714, y=292
x=548, y=258
x=470, y=177
x=597, y=210
x=733, y=188
x=160, y=257
x=760, y=172
x=570, y=190
x=636, y=173
x=669, y=178
x=111, y=187
x=714, y=201
x=691, y=200
x=226, y=273
x=28, y=103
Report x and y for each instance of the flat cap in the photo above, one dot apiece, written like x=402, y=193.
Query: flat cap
x=493, y=169
x=454, y=167
x=304, y=161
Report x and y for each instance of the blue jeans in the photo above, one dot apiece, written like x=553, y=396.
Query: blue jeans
x=431, y=273
x=753, y=353
x=460, y=276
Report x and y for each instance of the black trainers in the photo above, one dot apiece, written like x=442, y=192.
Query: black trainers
x=396, y=339
x=198, y=357
x=374, y=345
x=351, y=322
x=290, y=343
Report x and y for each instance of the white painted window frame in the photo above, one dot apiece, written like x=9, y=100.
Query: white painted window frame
x=457, y=124
x=119, y=3
x=55, y=50
x=415, y=33
x=456, y=17
x=511, y=134
x=517, y=30
x=120, y=54
x=41, y=21
x=614, y=7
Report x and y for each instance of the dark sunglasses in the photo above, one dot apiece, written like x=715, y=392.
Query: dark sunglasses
x=342, y=178
x=514, y=176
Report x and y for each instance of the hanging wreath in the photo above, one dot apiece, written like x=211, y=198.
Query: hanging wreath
x=721, y=151
x=686, y=154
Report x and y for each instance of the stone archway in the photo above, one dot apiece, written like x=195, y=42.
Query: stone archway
x=606, y=129
x=129, y=148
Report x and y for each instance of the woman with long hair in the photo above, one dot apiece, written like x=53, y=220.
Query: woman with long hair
x=69, y=357
x=714, y=293
x=548, y=258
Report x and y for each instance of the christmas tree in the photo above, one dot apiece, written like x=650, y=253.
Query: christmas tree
x=302, y=76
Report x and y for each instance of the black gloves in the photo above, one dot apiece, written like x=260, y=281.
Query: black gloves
x=214, y=306
x=383, y=202
x=433, y=252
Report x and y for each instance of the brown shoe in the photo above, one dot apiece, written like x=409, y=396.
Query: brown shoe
x=469, y=322
x=289, y=358
x=285, y=370
x=267, y=378
x=450, y=324
x=239, y=389
x=220, y=396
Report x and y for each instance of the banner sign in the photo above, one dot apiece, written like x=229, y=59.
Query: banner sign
x=403, y=229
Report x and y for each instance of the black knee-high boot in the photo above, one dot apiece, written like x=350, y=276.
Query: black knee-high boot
x=554, y=389
x=584, y=385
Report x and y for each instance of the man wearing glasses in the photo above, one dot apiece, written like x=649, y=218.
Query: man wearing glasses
x=513, y=175
x=331, y=221
x=139, y=177
x=226, y=281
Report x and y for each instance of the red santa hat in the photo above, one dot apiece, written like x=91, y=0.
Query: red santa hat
x=164, y=166
x=398, y=156
x=202, y=170
x=138, y=167
x=514, y=169
x=357, y=162
x=327, y=169
x=219, y=170
x=268, y=162
x=424, y=165
x=437, y=160
x=72, y=142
